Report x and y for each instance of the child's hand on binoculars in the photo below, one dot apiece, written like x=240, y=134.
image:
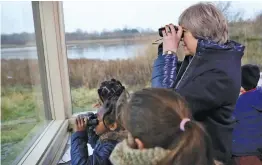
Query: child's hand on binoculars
x=80, y=123
x=171, y=38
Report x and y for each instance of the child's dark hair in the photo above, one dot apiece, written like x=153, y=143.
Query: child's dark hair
x=154, y=116
x=112, y=112
x=109, y=89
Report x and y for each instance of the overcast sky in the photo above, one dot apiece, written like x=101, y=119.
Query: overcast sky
x=98, y=15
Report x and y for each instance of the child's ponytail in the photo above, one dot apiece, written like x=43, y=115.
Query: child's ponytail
x=193, y=146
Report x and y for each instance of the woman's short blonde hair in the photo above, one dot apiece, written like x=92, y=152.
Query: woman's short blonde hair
x=206, y=21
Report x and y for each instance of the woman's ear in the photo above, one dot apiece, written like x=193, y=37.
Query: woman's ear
x=139, y=144
x=113, y=126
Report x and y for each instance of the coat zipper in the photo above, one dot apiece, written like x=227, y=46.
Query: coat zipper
x=184, y=72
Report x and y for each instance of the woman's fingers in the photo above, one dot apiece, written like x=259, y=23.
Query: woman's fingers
x=168, y=32
x=164, y=33
x=180, y=31
x=171, y=38
x=173, y=30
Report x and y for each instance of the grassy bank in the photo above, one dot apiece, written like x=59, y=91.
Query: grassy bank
x=22, y=117
x=17, y=139
x=22, y=109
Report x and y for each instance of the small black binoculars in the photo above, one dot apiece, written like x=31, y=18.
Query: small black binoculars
x=163, y=28
x=91, y=119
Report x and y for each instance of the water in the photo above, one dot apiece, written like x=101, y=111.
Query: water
x=105, y=52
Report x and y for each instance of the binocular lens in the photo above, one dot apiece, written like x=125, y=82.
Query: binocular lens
x=92, y=122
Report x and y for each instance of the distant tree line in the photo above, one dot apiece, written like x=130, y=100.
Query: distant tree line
x=24, y=38
x=17, y=38
x=238, y=28
x=117, y=33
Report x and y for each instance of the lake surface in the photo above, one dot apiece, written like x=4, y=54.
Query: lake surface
x=106, y=52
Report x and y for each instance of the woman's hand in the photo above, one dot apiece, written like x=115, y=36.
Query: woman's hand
x=171, y=38
x=80, y=123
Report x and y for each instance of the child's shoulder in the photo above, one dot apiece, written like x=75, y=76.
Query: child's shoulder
x=113, y=135
x=110, y=144
x=105, y=147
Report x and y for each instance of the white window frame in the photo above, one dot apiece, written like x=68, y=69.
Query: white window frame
x=52, y=57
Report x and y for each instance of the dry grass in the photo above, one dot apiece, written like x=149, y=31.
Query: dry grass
x=19, y=72
x=253, y=50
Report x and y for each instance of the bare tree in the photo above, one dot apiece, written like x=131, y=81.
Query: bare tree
x=223, y=6
x=227, y=10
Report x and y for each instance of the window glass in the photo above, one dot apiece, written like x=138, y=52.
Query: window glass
x=22, y=107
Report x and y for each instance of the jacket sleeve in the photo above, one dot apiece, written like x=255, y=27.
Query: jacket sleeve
x=79, y=151
x=92, y=137
x=164, y=71
x=208, y=91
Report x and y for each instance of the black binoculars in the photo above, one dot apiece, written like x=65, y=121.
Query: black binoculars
x=91, y=119
x=163, y=28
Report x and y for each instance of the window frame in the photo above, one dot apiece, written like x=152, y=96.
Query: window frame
x=51, y=47
x=52, y=59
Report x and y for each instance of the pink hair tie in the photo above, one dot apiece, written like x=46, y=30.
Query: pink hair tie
x=183, y=122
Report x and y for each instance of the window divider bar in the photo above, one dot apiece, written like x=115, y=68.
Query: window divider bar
x=64, y=60
x=41, y=60
x=50, y=36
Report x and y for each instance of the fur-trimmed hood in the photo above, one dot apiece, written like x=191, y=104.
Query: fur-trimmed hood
x=113, y=136
x=125, y=155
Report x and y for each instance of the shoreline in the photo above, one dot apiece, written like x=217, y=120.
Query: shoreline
x=113, y=41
